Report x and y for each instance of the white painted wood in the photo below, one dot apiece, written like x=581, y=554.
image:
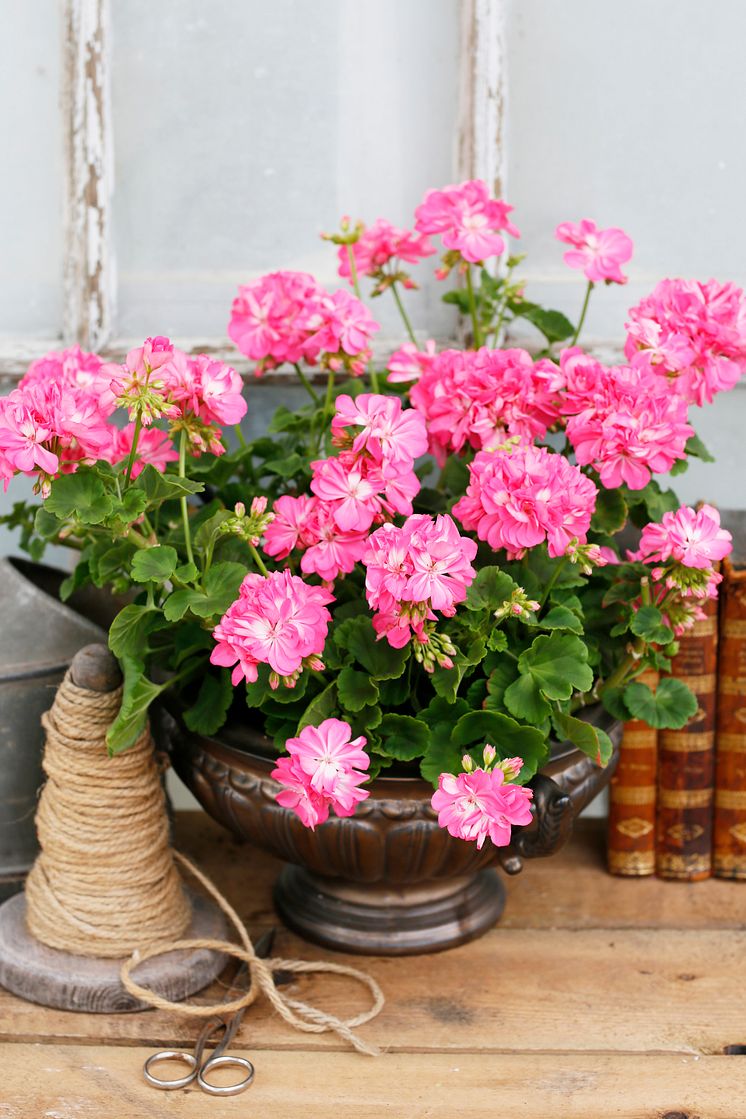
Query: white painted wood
x=89, y=276
x=481, y=142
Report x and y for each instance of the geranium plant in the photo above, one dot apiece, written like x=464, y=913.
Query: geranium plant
x=425, y=566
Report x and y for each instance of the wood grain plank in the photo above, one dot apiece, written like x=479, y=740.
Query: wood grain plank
x=71, y=1082
x=514, y=990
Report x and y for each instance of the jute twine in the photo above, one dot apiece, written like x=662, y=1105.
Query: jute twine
x=106, y=885
x=105, y=882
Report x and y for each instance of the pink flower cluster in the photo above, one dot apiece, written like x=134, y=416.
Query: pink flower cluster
x=478, y=398
x=516, y=499
x=55, y=419
x=379, y=245
x=325, y=770
x=690, y=537
x=625, y=422
x=692, y=333
x=372, y=477
x=480, y=804
x=597, y=253
x=288, y=316
x=412, y=571
x=408, y=363
x=468, y=220
x=277, y=620
x=154, y=448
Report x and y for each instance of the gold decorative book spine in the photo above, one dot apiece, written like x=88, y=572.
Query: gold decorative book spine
x=686, y=761
x=729, y=843
x=632, y=797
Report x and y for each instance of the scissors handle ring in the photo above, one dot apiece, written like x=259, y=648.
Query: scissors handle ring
x=225, y=1062
x=170, y=1055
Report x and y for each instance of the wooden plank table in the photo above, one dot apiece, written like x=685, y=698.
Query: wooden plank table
x=595, y=997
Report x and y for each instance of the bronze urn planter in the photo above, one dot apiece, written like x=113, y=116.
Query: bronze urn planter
x=387, y=881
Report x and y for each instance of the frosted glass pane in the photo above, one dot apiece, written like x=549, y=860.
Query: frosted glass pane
x=30, y=169
x=631, y=113
x=244, y=129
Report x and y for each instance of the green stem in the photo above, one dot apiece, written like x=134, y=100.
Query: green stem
x=583, y=312
x=403, y=313
x=306, y=384
x=503, y=308
x=554, y=577
x=258, y=560
x=183, y=500
x=328, y=405
x=353, y=271
x=239, y=435
x=374, y=380
x=473, y=308
x=133, y=452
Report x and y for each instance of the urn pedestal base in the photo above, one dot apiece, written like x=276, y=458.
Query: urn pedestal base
x=377, y=920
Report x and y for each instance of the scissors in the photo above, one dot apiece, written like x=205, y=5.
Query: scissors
x=229, y=1023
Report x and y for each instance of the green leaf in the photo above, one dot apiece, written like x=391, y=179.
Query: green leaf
x=208, y=713
x=509, y=738
x=695, y=446
x=670, y=707
x=156, y=564
x=560, y=617
x=323, y=706
x=553, y=324
x=221, y=589
x=404, y=737
x=523, y=699
x=613, y=701
x=137, y=695
x=459, y=298
x=611, y=511
x=79, y=578
x=209, y=530
x=159, y=487
x=129, y=632
x=558, y=665
x=186, y=573
x=80, y=496
x=286, y=467
x=498, y=681
x=380, y=659
x=446, y=681
x=589, y=738
x=442, y=756
x=489, y=590
x=356, y=689
x=648, y=622
x=46, y=524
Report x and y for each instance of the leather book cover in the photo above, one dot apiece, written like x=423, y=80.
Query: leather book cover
x=729, y=843
x=632, y=798
x=686, y=761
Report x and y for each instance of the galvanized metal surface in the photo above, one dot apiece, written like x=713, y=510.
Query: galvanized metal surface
x=39, y=636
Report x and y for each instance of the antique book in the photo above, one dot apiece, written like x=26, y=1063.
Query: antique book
x=632, y=798
x=686, y=761
x=729, y=841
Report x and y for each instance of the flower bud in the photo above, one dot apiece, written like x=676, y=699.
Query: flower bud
x=467, y=763
x=489, y=754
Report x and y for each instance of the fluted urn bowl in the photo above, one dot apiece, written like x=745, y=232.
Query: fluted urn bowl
x=388, y=880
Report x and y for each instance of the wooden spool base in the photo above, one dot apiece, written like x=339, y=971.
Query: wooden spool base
x=52, y=978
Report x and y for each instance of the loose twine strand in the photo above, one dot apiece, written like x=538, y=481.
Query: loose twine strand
x=105, y=883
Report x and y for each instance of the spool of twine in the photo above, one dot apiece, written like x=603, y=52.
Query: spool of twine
x=105, y=883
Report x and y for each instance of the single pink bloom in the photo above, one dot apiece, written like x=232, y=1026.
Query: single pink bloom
x=380, y=244
x=408, y=363
x=325, y=770
x=468, y=220
x=351, y=496
x=480, y=805
x=598, y=253
x=691, y=537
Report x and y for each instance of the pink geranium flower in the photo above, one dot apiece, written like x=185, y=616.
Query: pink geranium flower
x=477, y=399
x=353, y=498
x=597, y=253
x=468, y=220
x=154, y=448
x=691, y=537
x=693, y=334
x=379, y=245
x=408, y=363
x=342, y=327
x=517, y=499
x=391, y=436
x=308, y=525
x=203, y=387
x=479, y=805
x=277, y=620
x=268, y=318
x=325, y=770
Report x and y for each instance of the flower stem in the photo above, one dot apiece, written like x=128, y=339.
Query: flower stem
x=403, y=313
x=183, y=500
x=239, y=435
x=473, y=307
x=133, y=451
x=306, y=384
x=353, y=271
x=328, y=405
x=258, y=561
x=553, y=579
x=583, y=312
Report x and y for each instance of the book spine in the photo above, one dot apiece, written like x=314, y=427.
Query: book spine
x=632, y=797
x=686, y=761
x=729, y=843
